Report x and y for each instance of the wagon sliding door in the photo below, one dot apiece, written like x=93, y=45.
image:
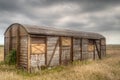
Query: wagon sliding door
x=77, y=49
x=103, y=47
x=65, y=50
x=38, y=52
x=91, y=49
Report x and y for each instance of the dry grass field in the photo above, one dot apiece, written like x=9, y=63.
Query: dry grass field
x=1, y=53
x=106, y=69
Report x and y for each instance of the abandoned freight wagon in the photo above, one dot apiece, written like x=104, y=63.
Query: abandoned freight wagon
x=38, y=46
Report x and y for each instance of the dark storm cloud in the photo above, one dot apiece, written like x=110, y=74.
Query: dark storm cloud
x=87, y=15
x=6, y=5
x=87, y=5
x=24, y=6
x=106, y=23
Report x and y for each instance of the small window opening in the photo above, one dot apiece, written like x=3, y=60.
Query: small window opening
x=37, y=45
x=66, y=41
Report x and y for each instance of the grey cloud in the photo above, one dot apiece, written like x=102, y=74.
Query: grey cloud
x=106, y=23
x=9, y=9
x=87, y=5
x=74, y=25
x=24, y=6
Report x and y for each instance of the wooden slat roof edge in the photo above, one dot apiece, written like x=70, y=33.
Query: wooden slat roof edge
x=37, y=30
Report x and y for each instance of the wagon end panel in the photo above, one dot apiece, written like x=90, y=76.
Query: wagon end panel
x=22, y=48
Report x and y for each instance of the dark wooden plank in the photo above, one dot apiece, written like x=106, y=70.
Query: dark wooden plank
x=81, y=48
x=29, y=53
x=23, y=60
x=4, y=48
x=60, y=50
x=18, y=45
x=46, y=51
x=25, y=54
x=37, y=36
x=100, y=49
x=10, y=42
x=105, y=49
x=38, y=40
x=94, y=51
x=23, y=57
x=98, y=52
x=71, y=52
x=53, y=52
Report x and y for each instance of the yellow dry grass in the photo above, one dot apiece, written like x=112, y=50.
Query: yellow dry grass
x=1, y=53
x=106, y=69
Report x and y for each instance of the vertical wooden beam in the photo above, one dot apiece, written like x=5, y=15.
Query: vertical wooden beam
x=29, y=54
x=4, y=47
x=18, y=44
x=60, y=50
x=94, y=50
x=105, y=47
x=97, y=50
x=81, y=48
x=46, y=51
x=10, y=42
x=71, y=52
x=100, y=49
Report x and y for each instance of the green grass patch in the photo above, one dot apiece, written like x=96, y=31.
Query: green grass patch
x=1, y=45
x=11, y=58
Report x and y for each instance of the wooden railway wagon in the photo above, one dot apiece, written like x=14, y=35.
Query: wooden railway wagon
x=38, y=46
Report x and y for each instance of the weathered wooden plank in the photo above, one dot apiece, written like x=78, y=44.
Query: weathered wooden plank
x=23, y=60
x=76, y=48
x=50, y=48
x=53, y=52
x=14, y=30
x=51, y=39
x=22, y=57
x=100, y=49
x=23, y=65
x=23, y=49
x=38, y=41
x=94, y=51
x=23, y=54
x=18, y=45
x=37, y=60
x=10, y=41
x=46, y=50
x=103, y=47
x=98, y=52
x=84, y=47
x=23, y=31
x=85, y=41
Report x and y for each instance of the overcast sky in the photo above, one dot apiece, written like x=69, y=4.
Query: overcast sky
x=101, y=16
